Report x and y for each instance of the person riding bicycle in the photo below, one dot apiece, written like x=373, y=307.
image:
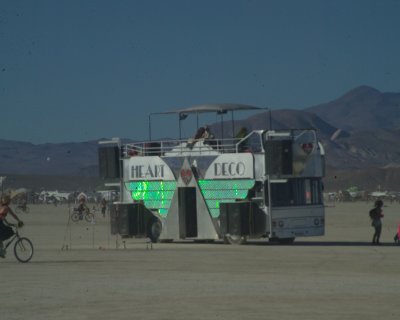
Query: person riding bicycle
x=23, y=204
x=6, y=231
x=82, y=207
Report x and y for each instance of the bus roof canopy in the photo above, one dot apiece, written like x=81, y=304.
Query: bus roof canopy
x=219, y=108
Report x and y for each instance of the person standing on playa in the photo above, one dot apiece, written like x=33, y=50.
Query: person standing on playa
x=5, y=230
x=103, y=207
x=376, y=214
x=397, y=235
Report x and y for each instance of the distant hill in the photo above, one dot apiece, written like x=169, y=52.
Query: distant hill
x=277, y=119
x=363, y=149
x=360, y=132
x=72, y=159
x=363, y=108
x=344, y=149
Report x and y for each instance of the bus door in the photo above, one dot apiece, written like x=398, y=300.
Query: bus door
x=187, y=212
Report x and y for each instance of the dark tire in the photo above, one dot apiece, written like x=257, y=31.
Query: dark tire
x=282, y=240
x=23, y=250
x=166, y=240
x=154, y=230
x=75, y=216
x=89, y=217
x=235, y=239
x=204, y=241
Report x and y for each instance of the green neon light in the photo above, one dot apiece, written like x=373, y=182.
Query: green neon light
x=226, y=184
x=151, y=185
x=218, y=191
x=158, y=194
x=155, y=194
x=225, y=194
x=214, y=213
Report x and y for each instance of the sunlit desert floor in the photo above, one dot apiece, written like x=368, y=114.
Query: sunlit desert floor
x=336, y=276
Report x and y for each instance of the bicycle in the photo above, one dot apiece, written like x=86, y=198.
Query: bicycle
x=79, y=215
x=23, y=247
x=22, y=208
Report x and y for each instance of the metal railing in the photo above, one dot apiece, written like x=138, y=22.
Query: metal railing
x=184, y=147
x=250, y=143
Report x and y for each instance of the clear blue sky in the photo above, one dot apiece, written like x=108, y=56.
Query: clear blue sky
x=74, y=70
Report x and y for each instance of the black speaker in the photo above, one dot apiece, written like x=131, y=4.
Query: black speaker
x=242, y=218
x=138, y=220
x=279, y=157
x=114, y=219
x=123, y=220
x=130, y=219
x=109, y=166
x=234, y=218
x=257, y=220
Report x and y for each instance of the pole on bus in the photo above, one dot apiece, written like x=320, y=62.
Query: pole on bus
x=268, y=167
x=180, y=129
x=233, y=125
x=221, y=113
x=181, y=116
x=150, y=126
x=270, y=119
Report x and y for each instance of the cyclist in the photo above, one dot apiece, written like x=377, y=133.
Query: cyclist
x=82, y=207
x=24, y=204
x=5, y=230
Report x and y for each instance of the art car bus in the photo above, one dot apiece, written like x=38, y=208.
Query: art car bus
x=265, y=184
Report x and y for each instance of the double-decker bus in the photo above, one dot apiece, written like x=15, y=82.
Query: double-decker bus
x=267, y=183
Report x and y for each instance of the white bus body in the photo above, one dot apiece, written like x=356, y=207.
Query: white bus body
x=267, y=184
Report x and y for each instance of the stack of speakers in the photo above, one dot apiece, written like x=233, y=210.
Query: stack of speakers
x=129, y=219
x=109, y=162
x=242, y=218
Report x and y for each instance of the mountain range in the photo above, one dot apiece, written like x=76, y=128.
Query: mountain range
x=359, y=130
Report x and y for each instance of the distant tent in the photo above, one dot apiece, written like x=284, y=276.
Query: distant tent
x=18, y=193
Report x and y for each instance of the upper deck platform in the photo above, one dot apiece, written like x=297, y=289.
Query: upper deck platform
x=201, y=146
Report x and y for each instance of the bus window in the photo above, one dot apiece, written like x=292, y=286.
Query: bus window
x=295, y=192
x=316, y=191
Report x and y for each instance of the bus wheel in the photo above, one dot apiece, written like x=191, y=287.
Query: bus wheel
x=235, y=239
x=154, y=230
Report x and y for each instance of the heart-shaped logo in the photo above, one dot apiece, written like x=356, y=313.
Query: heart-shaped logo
x=307, y=147
x=186, y=175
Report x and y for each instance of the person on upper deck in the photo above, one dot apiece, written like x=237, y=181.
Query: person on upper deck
x=202, y=134
x=240, y=135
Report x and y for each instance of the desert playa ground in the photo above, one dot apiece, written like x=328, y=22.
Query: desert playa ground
x=337, y=276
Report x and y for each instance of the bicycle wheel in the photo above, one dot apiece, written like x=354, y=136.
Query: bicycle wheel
x=89, y=217
x=27, y=210
x=75, y=217
x=18, y=210
x=23, y=249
